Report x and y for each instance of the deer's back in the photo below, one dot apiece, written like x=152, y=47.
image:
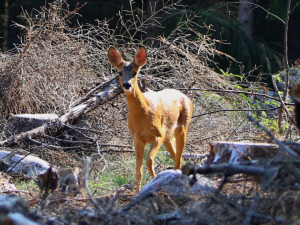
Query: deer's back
x=172, y=107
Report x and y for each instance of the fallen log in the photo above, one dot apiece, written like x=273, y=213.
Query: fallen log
x=25, y=122
x=28, y=165
x=174, y=184
x=235, y=152
x=267, y=174
x=112, y=90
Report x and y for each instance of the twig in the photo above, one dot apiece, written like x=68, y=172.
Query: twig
x=11, y=168
x=257, y=6
x=137, y=200
x=235, y=129
x=256, y=218
x=99, y=152
x=116, y=150
x=224, y=180
x=286, y=64
x=82, y=134
x=99, y=209
x=173, y=216
x=268, y=174
x=251, y=211
x=282, y=104
x=91, y=92
x=230, y=91
x=280, y=143
x=232, y=169
x=285, y=55
x=61, y=141
x=109, y=93
x=235, y=110
x=292, y=10
x=76, y=128
x=114, y=145
x=190, y=155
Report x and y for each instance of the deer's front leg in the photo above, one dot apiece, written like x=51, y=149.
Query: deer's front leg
x=139, y=156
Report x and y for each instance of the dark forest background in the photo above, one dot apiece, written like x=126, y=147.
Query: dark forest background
x=263, y=47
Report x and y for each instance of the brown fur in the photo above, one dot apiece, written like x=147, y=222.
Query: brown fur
x=154, y=117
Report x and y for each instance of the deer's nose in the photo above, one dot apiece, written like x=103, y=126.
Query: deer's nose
x=126, y=85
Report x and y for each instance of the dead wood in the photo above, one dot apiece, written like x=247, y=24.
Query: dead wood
x=234, y=152
x=268, y=174
x=296, y=97
x=282, y=106
x=15, y=210
x=286, y=63
x=17, y=163
x=280, y=143
x=112, y=90
x=117, y=150
x=25, y=122
x=100, y=211
x=194, y=156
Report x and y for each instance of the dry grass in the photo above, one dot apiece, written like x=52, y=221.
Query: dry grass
x=47, y=70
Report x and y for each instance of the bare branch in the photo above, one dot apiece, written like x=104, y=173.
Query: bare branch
x=280, y=143
x=234, y=91
x=235, y=110
x=109, y=93
x=269, y=174
x=282, y=104
x=96, y=205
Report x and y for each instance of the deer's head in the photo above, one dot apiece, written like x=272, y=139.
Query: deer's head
x=128, y=72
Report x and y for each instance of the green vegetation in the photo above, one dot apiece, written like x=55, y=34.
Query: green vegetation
x=121, y=170
x=27, y=185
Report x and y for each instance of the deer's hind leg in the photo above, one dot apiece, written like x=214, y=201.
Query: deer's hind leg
x=180, y=136
x=171, y=148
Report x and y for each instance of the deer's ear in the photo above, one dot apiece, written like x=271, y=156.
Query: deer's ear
x=140, y=57
x=115, y=58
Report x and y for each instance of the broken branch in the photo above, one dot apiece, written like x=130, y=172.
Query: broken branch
x=111, y=91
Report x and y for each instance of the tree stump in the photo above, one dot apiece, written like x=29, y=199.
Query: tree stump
x=235, y=152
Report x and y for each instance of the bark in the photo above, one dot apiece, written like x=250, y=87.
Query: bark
x=5, y=26
x=175, y=185
x=296, y=98
x=268, y=174
x=285, y=61
x=235, y=152
x=22, y=164
x=246, y=16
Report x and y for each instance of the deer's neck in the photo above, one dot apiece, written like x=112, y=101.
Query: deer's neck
x=136, y=101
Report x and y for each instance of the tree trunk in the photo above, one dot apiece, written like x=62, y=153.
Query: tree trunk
x=5, y=26
x=246, y=17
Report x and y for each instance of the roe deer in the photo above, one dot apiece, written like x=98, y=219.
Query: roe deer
x=154, y=117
